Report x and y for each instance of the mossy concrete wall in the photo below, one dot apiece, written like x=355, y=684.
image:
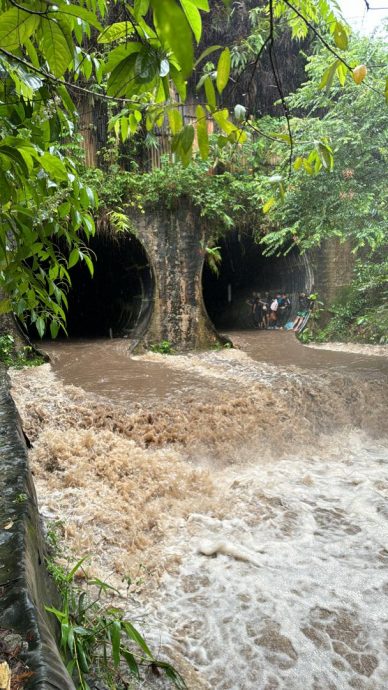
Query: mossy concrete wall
x=173, y=241
x=25, y=587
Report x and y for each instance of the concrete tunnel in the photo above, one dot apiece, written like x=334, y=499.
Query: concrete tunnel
x=118, y=300
x=245, y=269
x=130, y=292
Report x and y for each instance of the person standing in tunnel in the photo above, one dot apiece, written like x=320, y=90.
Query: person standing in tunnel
x=258, y=311
x=274, y=307
x=255, y=308
x=302, y=313
x=265, y=309
x=284, y=310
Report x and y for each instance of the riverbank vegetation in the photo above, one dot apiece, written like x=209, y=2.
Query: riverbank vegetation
x=98, y=644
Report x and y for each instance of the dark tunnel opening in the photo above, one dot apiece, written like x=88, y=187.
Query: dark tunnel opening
x=243, y=270
x=117, y=301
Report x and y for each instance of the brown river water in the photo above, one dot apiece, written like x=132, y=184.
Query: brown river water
x=245, y=493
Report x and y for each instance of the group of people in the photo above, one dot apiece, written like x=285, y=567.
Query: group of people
x=274, y=312
x=270, y=312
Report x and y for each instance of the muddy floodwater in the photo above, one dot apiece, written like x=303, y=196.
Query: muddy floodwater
x=244, y=491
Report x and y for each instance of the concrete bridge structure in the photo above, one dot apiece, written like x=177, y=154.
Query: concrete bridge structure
x=155, y=284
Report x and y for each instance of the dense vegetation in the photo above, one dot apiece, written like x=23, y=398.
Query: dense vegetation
x=249, y=187
x=140, y=58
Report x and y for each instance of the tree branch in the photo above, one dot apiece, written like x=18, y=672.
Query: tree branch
x=317, y=34
x=28, y=10
x=272, y=58
x=62, y=82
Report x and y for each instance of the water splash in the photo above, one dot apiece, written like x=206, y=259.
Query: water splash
x=251, y=504
x=290, y=592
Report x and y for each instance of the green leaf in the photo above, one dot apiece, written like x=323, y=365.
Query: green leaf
x=179, y=82
x=70, y=575
x=82, y=659
x=386, y=90
x=115, y=634
x=89, y=225
x=121, y=77
x=60, y=615
x=32, y=54
x=16, y=156
x=70, y=638
x=5, y=306
x=202, y=133
x=117, y=55
x=89, y=264
x=174, y=33
x=116, y=32
x=141, y=8
x=53, y=166
x=40, y=326
x=134, y=635
x=131, y=663
x=223, y=70
x=326, y=156
x=193, y=17
x=16, y=26
x=175, y=121
x=73, y=258
x=328, y=76
x=221, y=117
x=210, y=93
x=202, y=4
x=187, y=138
x=147, y=64
x=342, y=71
x=208, y=51
x=66, y=100
x=54, y=330
x=298, y=163
x=340, y=36
x=55, y=47
x=82, y=13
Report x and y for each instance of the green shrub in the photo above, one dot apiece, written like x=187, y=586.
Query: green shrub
x=96, y=641
x=164, y=347
x=26, y=357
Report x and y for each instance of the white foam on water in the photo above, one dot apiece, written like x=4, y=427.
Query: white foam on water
x=278, y=579
x=286, y=587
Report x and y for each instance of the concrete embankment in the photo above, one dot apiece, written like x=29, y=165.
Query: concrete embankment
x=25, y=587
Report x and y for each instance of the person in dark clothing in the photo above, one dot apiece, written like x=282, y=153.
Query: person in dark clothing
x=254, y=303
x=284, y=310
x=265, y=302
x=258, y=312
x=303, y=310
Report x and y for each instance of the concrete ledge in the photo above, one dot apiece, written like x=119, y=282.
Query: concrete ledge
x=25, y=587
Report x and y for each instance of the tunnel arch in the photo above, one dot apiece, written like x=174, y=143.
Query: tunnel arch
x=245, y=269
x=118, y=300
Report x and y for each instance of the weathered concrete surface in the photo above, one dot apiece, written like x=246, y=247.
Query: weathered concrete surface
x=332, y=266
x=25, y=587
x=172, y=241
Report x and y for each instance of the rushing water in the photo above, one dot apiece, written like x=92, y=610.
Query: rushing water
x=251, y=485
